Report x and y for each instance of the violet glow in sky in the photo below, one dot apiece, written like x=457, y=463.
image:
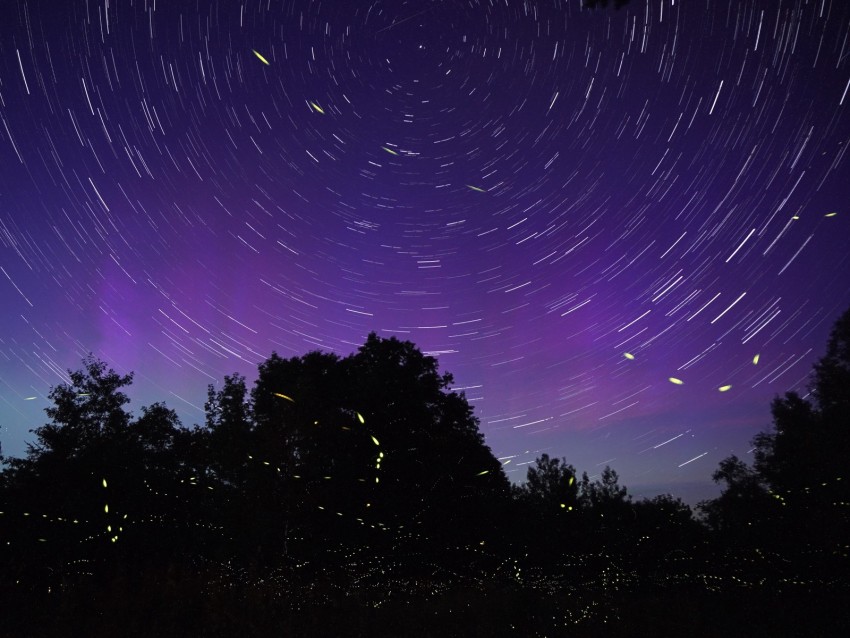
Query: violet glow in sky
x=526, y=190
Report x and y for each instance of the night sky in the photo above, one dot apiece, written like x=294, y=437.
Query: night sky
x=568, y=207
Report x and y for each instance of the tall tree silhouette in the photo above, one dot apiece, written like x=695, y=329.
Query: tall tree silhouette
x=436, y=469
x=547, y=513
x=607, y=507
x=798, y=483
x=605, y=491
x=229, y=425
x=665, y=523
x=551, y=484
x=744, y=505
x=810, y=441
x=85, y=411
x=312, y=458
x=376, y=437
x=85, y=442
x=90, y=484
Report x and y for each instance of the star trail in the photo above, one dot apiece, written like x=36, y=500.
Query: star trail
x=623, y=230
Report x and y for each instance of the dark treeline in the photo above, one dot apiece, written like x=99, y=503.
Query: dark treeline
x=356, y=496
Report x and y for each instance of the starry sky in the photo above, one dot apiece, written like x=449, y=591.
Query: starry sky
x=567, y=207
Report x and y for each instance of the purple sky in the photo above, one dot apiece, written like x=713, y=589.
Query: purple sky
x=527, y=190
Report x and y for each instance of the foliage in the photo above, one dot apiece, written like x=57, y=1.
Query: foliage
x=666, y=521
x=605, y=493
x=363, y=482
x=550, y=484
x=323, y=452
x=798, y=483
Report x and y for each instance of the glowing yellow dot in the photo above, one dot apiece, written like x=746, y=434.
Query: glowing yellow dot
x=629, y=356
x=676, y=381
x=725, y=388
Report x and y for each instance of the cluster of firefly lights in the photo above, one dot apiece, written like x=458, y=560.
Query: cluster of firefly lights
x=114, y=524
x=362, y=420
x=112, y=532
x=113, y=529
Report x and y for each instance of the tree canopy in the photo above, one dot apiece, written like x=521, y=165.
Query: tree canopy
x=798, y=483
x=367, y=473
x=321, y=452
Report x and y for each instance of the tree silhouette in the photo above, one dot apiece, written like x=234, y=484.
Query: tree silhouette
x=666, y=523
x=372, y=451
x=739, y=513
x=229, y=425
x=550, y=484
x=97, y=484
x=798, y=483
x=86, y=441
x=546, y=521
x=810, y=441
x=338, y=481
x=376, y=437
x=831, y=387
x=85, y=411
x=605, y=492
x=607, y=508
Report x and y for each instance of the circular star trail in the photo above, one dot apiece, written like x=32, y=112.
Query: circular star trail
x=622, y=230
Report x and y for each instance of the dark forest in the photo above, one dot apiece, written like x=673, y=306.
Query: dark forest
x=356, y=496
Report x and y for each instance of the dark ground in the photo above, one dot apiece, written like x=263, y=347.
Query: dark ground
x=174, y=604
